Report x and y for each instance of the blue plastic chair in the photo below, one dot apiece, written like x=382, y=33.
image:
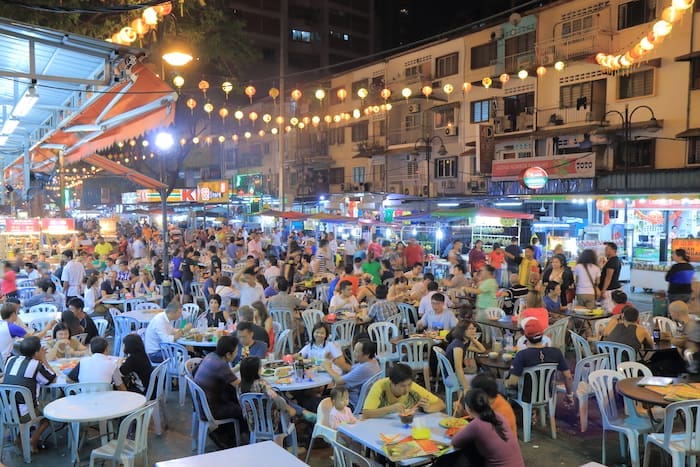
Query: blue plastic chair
x=257, y=408
x=176, y=354
x=123, y=326
x=448, y=377
x=541, y=378
x=415, y=352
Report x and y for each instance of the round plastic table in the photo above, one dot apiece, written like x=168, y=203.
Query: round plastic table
x=320, y=379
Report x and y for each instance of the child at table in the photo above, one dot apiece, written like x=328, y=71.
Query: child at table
x=340, y=414
x=64, y=345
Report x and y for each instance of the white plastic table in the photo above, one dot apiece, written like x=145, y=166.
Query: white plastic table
x=366, y=432
x=124, y=302
x=92, y=407
x=142, y=316
x=194, y=343
x=267, y=453
x=61, y=380
x=319, y=380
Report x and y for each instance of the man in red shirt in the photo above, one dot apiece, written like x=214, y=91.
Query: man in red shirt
x=413, y=253
x=9, y=281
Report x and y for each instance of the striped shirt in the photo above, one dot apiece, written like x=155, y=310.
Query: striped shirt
x=382, y=309
x=27, y=372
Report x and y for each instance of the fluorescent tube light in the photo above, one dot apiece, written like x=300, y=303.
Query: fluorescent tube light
x=509, y=203
x=9, y=126
x=3, y=139
x=26, y=103
x=448, y=205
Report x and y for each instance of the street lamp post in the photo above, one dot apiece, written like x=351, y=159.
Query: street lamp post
x=626, y=118
x=427, y=143
x=164, y=142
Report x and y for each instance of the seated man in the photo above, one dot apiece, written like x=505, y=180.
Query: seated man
x=512, y=294
x=438, y=317
x=678, y=312
x=98, y=367
x=160, y=330
x=535, y=354
x=10, y=329
x=283, y=299
x=399, y=393
x=246, y=314
x=382, y=308
x=76, y=306
x=364, y=355
x=624, y=329
x=248, y=346
x=47, y=294
x=219, y=383
x=343, y=300
x=30, y=369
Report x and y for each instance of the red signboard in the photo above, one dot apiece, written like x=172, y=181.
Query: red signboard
x=22, y=226
x=666, y=203
x=565, y=166
x=690, y=245
x=53, y=225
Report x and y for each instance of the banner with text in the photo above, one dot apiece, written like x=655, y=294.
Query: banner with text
x=564, y=166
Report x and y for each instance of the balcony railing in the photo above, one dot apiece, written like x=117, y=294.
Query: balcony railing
x=573, y=46
x=556, y=116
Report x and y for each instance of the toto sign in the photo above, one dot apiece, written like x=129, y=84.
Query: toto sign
x=534, y=178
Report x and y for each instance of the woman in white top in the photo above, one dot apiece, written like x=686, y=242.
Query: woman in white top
x=92, y=296
x=586, y=276
x=319, y=349
x=145, y=285
x=229, y=295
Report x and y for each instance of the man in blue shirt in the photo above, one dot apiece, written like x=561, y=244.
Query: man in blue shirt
x=248, y=347
x=366, y=366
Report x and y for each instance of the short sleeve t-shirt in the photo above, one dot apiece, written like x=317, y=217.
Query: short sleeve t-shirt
x=487, y=297
x=380, y=395
x=356, y=377
x=533, y=356
x=215, y=377
x=613, y=267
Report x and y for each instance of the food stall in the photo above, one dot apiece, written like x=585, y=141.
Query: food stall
x=20, y=233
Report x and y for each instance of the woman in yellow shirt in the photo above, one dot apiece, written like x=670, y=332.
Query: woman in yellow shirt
x=399, y=393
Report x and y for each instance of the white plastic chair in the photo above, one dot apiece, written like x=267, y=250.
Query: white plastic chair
x=415, y=352
x=494, y=313
x=277, y=330
x=82, y=337
x=364, y=390
x=322, y=427
x=342, y=333
x=581, y=346
x=204, y=419
x=541, y=395
x=346, y=457
x=130, y=304
x=176, y=355
x=557, y=334
x=599, y=326
x=283, y=343
x=310, y=318
x=80, y=388
x=123, y=326
x=178, y=288
x=680, y=444
x=603, y=384
x=25, y=293
x=197, y=290
x=453, y=387
x=257, y=408
x=10, y=417
x=395, y=319
x=634, y=369
x=146, y=306
x=156, y=391
x=638, y=370
x=101, y=325
x=617, y=353
x=322, y=292
x=382, y=333
x=38, y=323
x=582, y=389
x=285, y=317
x=409, y=313
x=123, y=450
x=666, y=325
x=43, y=308
x=190, y=313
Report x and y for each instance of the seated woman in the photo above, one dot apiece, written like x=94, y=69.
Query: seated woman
x=552, y=296
x=64, y=345
x=320, y=348
x=488, y=433
x=368, y=290
x=229, y=295
x=145, y=285
x=463, y=341
x=399, y=291
x=398, y=394
x=216, y=314
x=136, y=369
x=251, y=381
x=625, y=330
x=263, y=319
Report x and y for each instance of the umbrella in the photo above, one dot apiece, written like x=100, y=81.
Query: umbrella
x=332, y=218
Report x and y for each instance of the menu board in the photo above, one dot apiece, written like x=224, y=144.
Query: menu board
x=691, y=247
x=22, y=226
x=54, y=225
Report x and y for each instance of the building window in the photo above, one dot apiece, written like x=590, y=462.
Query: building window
x=412, y=71
x=363, y=83
x=339, y=36
x=447, y=65
x=481, y=111
x=412, y=169
x=378, y=128
x=301, y=36
x=412, y=121
x=519, y=52
x=446, y=167
x=695, y=76
x=576, y=27
x=570, y=96
x=336, y=175
x=694, y=150
x=444, y=118
x=634, y=13
x=360, y=132
x=641, y=154
x=640, y=83
x=336, y=136
x=483, y=55
x=358, y=175
x=266, y=148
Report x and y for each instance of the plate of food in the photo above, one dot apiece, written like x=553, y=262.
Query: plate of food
x=283, y=372
x=276, y=364
x=285, y=380
x=268, y=372
x=453, y=422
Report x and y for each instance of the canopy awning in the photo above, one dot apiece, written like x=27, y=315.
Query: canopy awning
x=119, y=169
x=689, y=133
x=484, y=212
x=293, y=215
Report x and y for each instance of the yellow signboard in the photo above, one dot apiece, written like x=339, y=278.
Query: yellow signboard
x=213, y=192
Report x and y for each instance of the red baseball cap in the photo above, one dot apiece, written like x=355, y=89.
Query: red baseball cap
x=533, y=328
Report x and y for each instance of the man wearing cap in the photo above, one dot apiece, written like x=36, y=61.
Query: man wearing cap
x=536, y=354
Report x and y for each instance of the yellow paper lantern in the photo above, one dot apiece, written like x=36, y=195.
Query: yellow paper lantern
x=541, y=71
x=247, y=134
x=296, y=94
x=222, y=139
x=274, y=93
x=646, y=44
x=356, y=113
x=427, y=91
x=223, y=113
x=559, y=65
x=287, y=129
x=375, y=109
x=234, y=138
x=127, y=35
x=320, y=94
x=274, y=130
x=406, y=93
x=306, y=120
x=261, y=133
x=301, y=125
x=385, y=93
x=328, y=119
x=253, y=116
x=362, y=93
x=337, y=118
x=164, y=9
x=195, y=140
x=342, y=93
x=504, y=78
x=227, y=87
x=466, y=87
x=599, y=58
x=670, y=14
x=279, y=120
x=150, y=16
x=204, y=87
x=250, y=92
x=294, y=121
x=448, y=89
x=191, y=103
x=523, y=74
x=315, y=120
x=487, y=82
x=209, y=108
x=662, y=28
x=267, y=118
x=238, y=115
x=140, y=27
x=388, y=106
x=682, y=4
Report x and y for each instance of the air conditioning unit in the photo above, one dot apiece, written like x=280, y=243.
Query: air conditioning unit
x=451, y=131
x=413, y=108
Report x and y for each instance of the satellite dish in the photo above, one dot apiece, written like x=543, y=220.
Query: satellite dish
x=514, y=19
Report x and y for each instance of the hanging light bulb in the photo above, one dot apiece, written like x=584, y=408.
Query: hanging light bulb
x=253, y=116
x=294, y=121
x=466, y=87
x=274, y=130
x=337, y=118
x=204, y=87
x=178, y=81
x=523, y=74
x=195, y=140
x=279, y=120
x=427, y=91
x=385, y=94
x=328, y=119
x=541, y=71
x=261, y=133
x=222, y=139
x=238, y=115
x=250, y=92
x=267, y=118
x=487, y=82
x=274, y=93
x=234, y=138
x=223, y=113
x=296, y=95
x=320, y=94
x=191, y=104
x=406, y=93
x=247, y=135
x=301, y=125
x=559, y=65
x=342, y=93
x=315, y=120
x=448, y=89
x=227, y=87
x=209, y=108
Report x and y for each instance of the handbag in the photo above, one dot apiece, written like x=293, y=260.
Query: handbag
x=596, y=290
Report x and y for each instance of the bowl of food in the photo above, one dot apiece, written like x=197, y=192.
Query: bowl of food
x=507, y=357
x=493, y=355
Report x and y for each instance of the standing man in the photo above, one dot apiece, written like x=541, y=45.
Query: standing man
x=537, y=248
x=138, y=248
x=610, y=275
x=528, y=271
x=255, y=246
x=276, y=242
x=349, y=248
x=513, y=255
x=72, y=276
x=413, y=253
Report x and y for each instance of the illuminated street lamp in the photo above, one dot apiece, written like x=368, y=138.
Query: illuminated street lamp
x=164, y=142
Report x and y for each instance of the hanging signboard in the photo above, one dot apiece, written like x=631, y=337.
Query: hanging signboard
x=216, y=191
x=534, y=178
x=562, y=166
x=22, y=226
x=57, y=225
x=691, y=247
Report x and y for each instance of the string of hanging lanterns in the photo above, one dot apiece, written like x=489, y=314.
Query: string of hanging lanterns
x=652, y=39
x=139, y=27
